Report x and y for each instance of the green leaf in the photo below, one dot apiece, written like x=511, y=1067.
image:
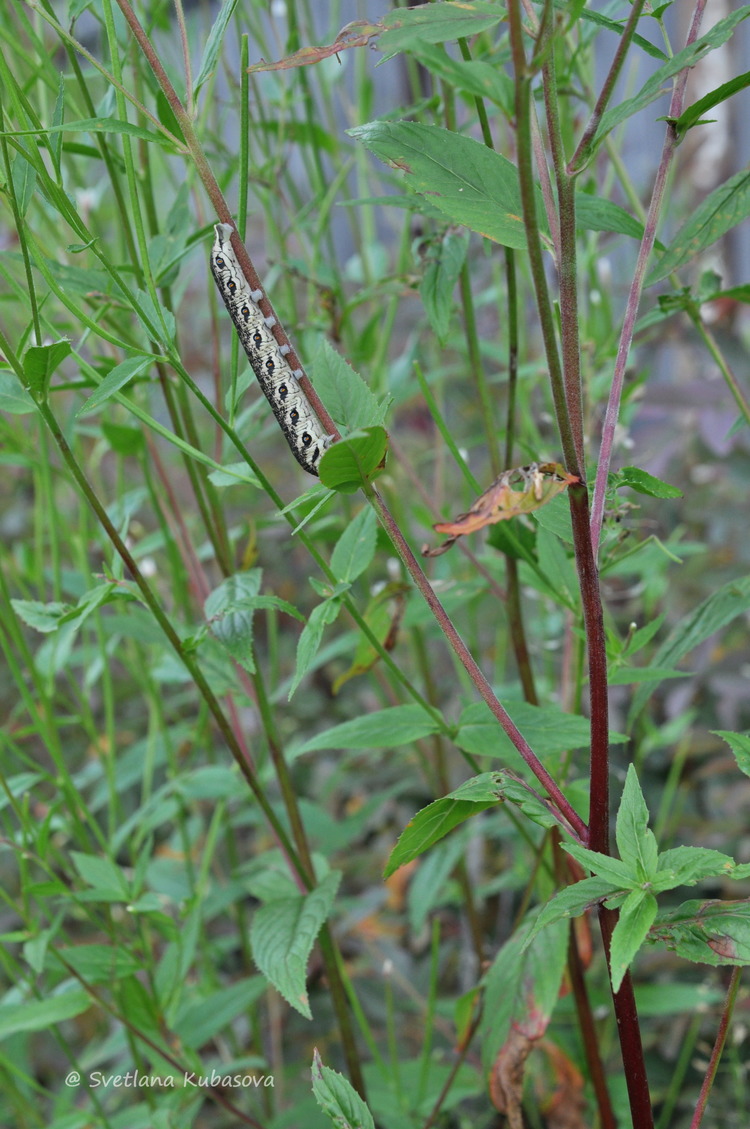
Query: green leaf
x=442, y=270
x=630, y=675
x=635, y=842
x=593, y=213
x=116, y=379
x=612, y=870
x=229, y=610
x=724, y=605
x=123, y=440
x=343, y=391
x=40, y=1015
x=654, y=87
x=213, y=43
x=521, y=794
x=282, y=936
x=14, y=398
x=694, y=113
x=40, y=362
x=684, y=866
x=355, y=547
x=105, y=876
x=42, y=617
x=555, y=517
x=573, y=901
x=438, y=819
x=436, y=23
x=99, y=964
x=100, y=125
x=23, y=178
x=644, y=483
x=637, y=915
x=522, y=987
x=338, y=1099
x=739, y=743
x=235, y=474
x=709, y=932
x=352, y=462
x=310, y=639
x=198, y=1021
x=547, y=729
x=616, y=26
x=468, y=182
x=472, y=76
x=723, y=209
x=388, y=728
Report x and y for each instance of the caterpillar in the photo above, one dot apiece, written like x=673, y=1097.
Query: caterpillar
x=302, y=429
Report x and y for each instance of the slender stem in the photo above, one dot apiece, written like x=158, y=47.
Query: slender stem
x=570, y=820
x=531, y=224
x=568, y=261
x=607, y=1119
x=222, y=209
x=693, y=312
x=636, y=287
x=629, y=1032
x=721, y=1038
x=582, y=153
x=162, y=619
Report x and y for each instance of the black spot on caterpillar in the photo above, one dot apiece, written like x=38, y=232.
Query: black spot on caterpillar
x=303, y=430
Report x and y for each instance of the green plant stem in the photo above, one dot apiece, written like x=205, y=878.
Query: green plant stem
x=693, y=312
x=531, y=224
x=516, y=625
x=221, y=207
x=718, y=1047
x=163, y=620
x=567, y=265
x=211, y=1091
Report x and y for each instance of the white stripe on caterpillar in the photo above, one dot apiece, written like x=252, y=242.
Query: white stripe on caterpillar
x=303, y=430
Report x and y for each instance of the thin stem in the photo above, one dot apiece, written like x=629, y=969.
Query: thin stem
x=570, y=820
x=721, y=1038
x=636, y=287
x=582, y=153
x=222, y=209
x=629, y=1031
x=173, y=638
x=531, y=225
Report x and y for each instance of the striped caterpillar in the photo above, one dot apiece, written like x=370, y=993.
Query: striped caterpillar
x=303, y=430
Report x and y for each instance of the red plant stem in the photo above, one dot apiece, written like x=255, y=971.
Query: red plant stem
x=629, y=1032
x=634, y=297
x=721, y=1038
x=569, y=815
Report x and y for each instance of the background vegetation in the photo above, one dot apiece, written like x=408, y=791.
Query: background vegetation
x=230, y=689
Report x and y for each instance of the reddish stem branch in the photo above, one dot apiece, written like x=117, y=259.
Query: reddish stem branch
x=634, y=297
